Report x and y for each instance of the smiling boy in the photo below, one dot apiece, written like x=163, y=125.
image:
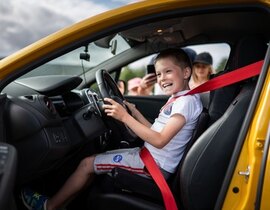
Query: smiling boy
x=166, y=139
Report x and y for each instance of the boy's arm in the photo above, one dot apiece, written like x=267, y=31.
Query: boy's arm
x=137, y=114
x=157, y=139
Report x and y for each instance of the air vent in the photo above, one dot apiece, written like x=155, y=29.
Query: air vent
x=49, y=105
x=30, y=98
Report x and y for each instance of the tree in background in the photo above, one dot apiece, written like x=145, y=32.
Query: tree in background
x=128, y=73
x=221, y=65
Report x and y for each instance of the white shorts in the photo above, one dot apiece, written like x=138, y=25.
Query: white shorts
x=128, y=159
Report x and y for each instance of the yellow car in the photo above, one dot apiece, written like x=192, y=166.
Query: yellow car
x=52, y=92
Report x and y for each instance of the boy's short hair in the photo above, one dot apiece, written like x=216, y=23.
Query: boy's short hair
x=179, y=56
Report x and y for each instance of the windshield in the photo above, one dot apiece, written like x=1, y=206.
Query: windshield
x=80, y=60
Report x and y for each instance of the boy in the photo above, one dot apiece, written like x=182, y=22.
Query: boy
x=165, y=139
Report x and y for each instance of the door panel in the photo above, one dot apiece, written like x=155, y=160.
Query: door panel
x=149, y=106
x=263, y=192
x=8, y=163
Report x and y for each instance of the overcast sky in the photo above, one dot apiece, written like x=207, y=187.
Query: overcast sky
x=25, y=21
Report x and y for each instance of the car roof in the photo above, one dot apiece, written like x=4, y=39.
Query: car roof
x=204, y=27
x=173, y=23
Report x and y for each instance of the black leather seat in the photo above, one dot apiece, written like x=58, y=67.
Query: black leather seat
x=198, y=180
x=205, y=165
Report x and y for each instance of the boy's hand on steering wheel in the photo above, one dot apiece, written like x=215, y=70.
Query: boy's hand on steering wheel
x=114, y=109
x=131, y=107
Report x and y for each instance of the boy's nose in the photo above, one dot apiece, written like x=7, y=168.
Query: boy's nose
x=162, y=76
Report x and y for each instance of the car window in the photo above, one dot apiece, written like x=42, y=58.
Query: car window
x=80, y=60
x=220, y=53
x=133, y=73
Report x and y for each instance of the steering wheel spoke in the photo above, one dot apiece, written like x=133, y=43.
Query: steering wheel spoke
x=108, y=89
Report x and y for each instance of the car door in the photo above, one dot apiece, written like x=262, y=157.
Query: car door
x=247, y=183
x=263, y=189
x=149, y=106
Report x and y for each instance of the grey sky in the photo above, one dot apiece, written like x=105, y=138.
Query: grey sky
x=25, y=21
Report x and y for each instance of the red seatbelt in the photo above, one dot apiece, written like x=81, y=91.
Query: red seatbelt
x=170, y=101
x=224, y=80
x=215, y=83
x=229, y=78
x=156, y=174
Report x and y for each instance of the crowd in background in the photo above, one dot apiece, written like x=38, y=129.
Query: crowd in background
x=202, y=68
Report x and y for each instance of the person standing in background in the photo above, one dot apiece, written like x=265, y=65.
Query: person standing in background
x=122, y=86
x=201, y=70
x=133, y=85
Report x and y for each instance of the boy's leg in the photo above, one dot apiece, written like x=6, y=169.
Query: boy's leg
x=128, y=159
x=84, y=173
x=82, y=176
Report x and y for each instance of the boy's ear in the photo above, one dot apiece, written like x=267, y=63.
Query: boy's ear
x=187, y=73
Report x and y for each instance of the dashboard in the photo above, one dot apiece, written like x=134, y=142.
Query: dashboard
x=47, y=119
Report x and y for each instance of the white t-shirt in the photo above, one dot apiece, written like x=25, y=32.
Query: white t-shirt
x=169, y=156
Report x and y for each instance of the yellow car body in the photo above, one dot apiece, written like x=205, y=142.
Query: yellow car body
x=251, y=156
x=250, y=175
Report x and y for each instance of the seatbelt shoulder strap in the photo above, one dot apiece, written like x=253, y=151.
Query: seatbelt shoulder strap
x=229, y=78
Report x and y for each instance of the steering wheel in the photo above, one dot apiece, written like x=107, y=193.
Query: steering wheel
x=108, y=89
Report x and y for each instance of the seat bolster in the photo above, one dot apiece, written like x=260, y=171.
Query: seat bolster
x=121, y=202
x=128, y=181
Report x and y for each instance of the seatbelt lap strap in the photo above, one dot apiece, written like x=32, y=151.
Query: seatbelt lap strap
x=213, y=84
x=156, y=174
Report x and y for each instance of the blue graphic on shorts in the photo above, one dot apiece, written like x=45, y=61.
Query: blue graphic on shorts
x=168, y=109
x=117, y=158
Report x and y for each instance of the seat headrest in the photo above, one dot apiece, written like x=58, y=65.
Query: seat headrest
x=248, y=50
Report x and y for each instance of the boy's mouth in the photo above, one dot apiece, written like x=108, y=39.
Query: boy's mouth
x=164, y=86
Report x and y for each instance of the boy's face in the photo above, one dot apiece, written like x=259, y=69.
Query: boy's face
x=170, y=76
